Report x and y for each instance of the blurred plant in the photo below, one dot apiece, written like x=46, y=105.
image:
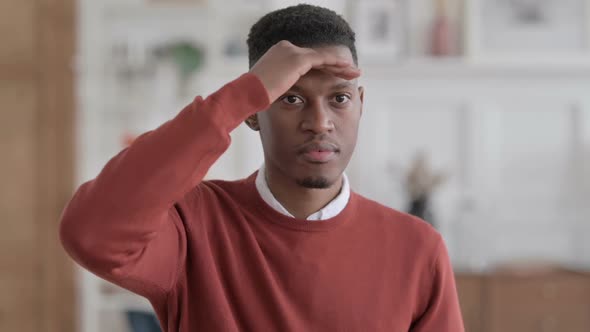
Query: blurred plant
x=421, y=180
x=420, y=183
x=187, y=57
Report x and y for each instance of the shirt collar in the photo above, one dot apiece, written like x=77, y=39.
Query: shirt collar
x=331, y=210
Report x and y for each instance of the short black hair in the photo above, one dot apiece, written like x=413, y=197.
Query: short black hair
x=303, y=25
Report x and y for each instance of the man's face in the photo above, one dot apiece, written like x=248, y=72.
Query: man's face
x=309, y=134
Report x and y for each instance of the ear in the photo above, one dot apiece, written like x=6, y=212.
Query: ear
x=362, y=97
x=252, y=122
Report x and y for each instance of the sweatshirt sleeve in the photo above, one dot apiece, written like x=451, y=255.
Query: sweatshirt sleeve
x=442, y=313
x=124, y=225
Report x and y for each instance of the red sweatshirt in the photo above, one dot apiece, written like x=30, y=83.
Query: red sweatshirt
x=213, y=256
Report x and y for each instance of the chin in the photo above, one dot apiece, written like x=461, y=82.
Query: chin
x=317, y=176
x=318, y=181
x=314, y=182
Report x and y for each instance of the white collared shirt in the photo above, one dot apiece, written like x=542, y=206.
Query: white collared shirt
x=331, y=210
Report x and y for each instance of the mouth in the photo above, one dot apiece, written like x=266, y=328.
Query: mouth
x=319, y=153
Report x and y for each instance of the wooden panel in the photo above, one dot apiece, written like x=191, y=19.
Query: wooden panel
x=18, y=33
x=19, y=263
x=470, y=290
x=543, y=303
x=56, y=144
x=36, y=144
x=15, y=304
x=17, y=196
x=18, y=237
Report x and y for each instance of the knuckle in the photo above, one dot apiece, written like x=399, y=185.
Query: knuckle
x=284, y=43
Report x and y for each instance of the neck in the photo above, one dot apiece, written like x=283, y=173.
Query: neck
x=301, y=202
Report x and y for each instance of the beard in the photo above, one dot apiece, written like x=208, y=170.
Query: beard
x=317, y=182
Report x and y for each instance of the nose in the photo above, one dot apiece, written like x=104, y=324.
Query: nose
x=317, y=119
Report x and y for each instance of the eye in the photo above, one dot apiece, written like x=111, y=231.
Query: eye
x=342, y=98
x=292, y=100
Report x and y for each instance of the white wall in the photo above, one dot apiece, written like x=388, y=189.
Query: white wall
x=516, y=148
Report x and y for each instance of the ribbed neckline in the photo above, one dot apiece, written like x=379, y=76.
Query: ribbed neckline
x=270, y=215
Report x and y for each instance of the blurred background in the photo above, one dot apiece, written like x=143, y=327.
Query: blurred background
x=476, y=118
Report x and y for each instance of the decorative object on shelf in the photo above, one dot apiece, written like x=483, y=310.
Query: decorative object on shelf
x=131, y=61
x=441, y=39
x=420, y=182
x=380, y=27
x=186, y=55
x=235, y=47
x=529, y=30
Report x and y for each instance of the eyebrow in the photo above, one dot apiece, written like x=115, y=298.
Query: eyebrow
x=337, y=86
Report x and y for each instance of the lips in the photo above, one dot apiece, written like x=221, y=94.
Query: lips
x=319, y=152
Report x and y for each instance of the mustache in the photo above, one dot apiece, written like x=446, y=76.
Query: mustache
x=318, y=145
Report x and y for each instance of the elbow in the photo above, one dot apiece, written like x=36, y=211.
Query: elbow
x=82, y=242
x=74, y=237
x=77, y=233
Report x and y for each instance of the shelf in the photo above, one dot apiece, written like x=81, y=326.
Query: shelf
x=158, y=11
x=178, y=11
x=425, y=67
x=428, y=67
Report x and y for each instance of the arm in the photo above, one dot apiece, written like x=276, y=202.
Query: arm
x=124, y=225
x=442, y=313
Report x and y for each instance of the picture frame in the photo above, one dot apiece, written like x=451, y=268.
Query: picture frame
x=380, y=27
x=528, y=31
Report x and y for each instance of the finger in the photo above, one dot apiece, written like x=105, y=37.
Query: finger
x=346, y=72
x=349, y=71
x=340, y=69
x=348, y=75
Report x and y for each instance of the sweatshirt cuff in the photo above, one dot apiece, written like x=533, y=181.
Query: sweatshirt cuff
x=239, y=99
x=250, y=88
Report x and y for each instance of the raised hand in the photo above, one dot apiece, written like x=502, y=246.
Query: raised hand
x=284, y=63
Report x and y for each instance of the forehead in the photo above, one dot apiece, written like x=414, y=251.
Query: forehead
x=317, y=80
x=338, y=50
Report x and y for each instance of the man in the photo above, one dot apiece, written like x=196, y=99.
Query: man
x=290, y=248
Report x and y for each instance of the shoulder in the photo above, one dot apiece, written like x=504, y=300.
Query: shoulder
x=211, y=194
x=232, y=189
x=402, y=227
x=211, y=201
x=221, y=189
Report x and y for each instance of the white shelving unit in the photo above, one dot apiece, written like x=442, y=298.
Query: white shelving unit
x=469, y=100
x=108, y=108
